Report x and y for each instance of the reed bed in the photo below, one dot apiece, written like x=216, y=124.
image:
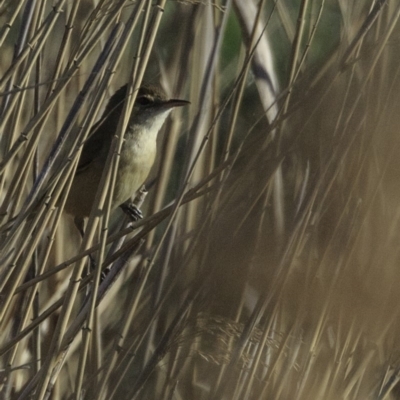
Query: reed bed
x=267, y=263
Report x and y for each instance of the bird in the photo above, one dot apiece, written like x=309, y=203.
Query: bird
x=138, y=153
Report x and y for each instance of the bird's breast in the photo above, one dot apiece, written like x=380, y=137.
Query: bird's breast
x=136, y=159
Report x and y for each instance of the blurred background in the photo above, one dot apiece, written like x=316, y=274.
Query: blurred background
x=267, y=262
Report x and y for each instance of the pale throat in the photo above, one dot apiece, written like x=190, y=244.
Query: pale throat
x=141, y=138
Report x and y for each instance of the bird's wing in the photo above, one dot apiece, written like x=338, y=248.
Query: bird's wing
x=91, y=148
x=102, y=131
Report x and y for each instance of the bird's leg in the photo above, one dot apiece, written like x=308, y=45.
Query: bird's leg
x=131, y=209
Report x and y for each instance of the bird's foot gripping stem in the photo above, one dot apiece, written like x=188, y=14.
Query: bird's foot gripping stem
x=132, y=211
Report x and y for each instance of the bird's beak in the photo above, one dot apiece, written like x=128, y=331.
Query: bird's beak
x=175, y=103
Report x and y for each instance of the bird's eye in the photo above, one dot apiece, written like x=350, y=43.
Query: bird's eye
x=143, y=101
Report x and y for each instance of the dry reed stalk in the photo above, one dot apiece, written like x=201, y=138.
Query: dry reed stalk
x=267, y=263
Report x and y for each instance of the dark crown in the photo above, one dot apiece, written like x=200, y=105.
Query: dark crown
x=147, y=95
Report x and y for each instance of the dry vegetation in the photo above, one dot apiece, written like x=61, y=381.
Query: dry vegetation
x=267, y=264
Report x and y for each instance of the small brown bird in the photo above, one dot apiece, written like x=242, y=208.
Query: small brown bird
x=138, y=152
